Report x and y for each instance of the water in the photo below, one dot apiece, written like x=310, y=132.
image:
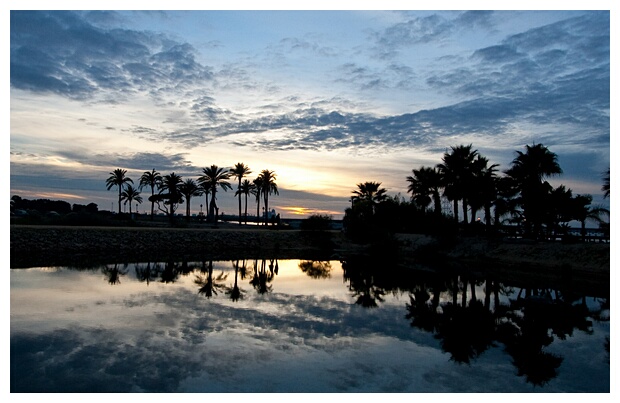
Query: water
x=298, y=326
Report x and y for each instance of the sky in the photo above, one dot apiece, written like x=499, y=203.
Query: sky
x=324, y=98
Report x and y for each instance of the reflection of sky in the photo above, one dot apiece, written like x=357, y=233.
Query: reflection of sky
x=74, y=328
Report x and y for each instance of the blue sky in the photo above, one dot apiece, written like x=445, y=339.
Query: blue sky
x=326, y=99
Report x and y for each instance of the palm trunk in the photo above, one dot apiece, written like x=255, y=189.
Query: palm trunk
x=464, y=211
x=456, y=210
x=239, y=195
x=120, y=187
x=258, y=209
x=152, y=203
x=187, y=209
x=246, y=208
x=266, y=208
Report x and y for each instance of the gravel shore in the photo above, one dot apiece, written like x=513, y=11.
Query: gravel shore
x=33, y=246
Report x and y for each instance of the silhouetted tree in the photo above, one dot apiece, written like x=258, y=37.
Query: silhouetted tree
x=118, y=178
x=208, y=284
x=170, y=194
x=131, y=194
x=456, y=168
x=189, y=189
x=246, y=188
x=606, y=183
x=239, y=171
x=529, y=170
x=153, y=180
x=268, y=186
x=424, y=186
x=213, y=177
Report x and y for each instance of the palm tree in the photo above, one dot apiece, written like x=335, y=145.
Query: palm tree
x=213, y=177
x=118, y=178
x=481, y=191
x=456, y=175
x=239, y=171
x=189, y=189
x=529, y=170
x=268, y=186
x=246, y=188
x=169, y=191
x=152, y=179
x=369, y=193
x=258, y=186
x=582, y=211
x=131, y=194
x=424, y=185
x=605, y=187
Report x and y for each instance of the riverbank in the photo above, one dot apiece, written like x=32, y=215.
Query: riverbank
x=33, y=246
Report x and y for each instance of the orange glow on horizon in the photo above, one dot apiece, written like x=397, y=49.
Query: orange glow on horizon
x=304, y=211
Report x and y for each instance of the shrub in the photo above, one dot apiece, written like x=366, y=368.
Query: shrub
x=317, y=222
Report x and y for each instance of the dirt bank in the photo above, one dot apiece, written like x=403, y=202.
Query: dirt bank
x=50, y=246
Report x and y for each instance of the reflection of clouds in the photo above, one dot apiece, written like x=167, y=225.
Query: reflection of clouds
x=172, y=339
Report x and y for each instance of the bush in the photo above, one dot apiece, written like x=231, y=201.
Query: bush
x=317, y=222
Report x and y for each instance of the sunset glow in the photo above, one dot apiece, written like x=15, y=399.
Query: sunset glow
x=324, y=99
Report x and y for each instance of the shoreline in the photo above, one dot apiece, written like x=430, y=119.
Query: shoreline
x=44, y=246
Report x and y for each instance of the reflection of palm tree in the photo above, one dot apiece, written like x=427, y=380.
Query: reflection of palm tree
x=316, y=269
x=115, y=273
x=213, y=177
x=261, y=277
x=239, y=171
x=235, y=292
x=153, y=180
x=170, y=273
x=362, y=282
x=118, y=178
x=209, y=285
x=131, y=194
x=147, y=273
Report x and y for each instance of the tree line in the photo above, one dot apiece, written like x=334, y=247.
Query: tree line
x=521, y=196
x=171, y=190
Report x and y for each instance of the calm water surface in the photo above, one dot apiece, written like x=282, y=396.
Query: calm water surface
x=298, y=326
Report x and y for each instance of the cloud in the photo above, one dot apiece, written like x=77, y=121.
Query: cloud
x=61, y=52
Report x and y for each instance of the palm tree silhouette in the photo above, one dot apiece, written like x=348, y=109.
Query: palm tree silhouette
x=170, y=193
x=456, y=172
x=529, y=170
x=118, y=178
x=246, y=188
x=582, y=211
x=153, y=180
x=369, y=194
x=131, y=194
x=258, y=186
x=605, y=187
x=268, y=186
x=424, y=186
x=189, y=189
x=239, y=171
x=213, y=177
x=482, y=191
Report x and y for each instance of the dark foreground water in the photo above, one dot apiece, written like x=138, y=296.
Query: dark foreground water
x=298, y=326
